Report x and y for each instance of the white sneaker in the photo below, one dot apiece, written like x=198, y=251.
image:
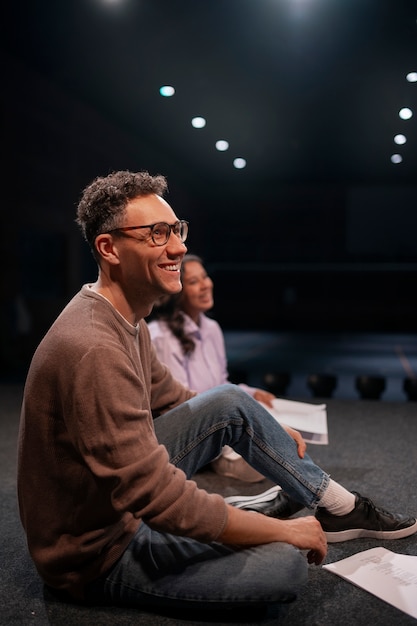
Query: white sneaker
x=245, y=502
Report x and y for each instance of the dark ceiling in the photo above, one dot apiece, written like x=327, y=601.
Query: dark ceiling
x=304, y=90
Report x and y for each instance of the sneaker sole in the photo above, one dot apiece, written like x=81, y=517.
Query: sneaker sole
x=363, y=533
x=259, y=498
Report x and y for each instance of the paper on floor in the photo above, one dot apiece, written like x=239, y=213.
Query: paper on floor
x=388, y=576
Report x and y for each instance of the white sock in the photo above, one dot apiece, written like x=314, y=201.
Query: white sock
x=337, y=500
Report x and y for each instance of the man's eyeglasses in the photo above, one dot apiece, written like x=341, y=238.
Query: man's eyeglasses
x=160, y=232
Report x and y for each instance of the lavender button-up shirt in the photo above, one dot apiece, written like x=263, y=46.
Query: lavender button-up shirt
x=206, y=366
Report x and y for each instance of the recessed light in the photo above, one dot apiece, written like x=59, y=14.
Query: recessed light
x=400, y=139
x=167, y=91
x=222, y=145
x=198, y=122
x=405, y=113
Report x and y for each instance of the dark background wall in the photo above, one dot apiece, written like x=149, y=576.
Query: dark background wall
x=283, y=255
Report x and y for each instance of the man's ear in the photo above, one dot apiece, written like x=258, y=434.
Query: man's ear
x=107, y=249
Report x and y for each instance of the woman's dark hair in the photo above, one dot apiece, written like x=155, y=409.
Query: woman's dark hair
x=168, y=310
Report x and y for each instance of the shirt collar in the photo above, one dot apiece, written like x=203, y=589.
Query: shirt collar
x=190, y=327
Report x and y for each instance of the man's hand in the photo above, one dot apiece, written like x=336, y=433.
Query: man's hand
x=261, y=395
x=306, y=533
x=267, y=398
x=294, y=434
x=247, y=528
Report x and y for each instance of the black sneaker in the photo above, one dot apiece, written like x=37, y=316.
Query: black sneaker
x=274, y=502
x=366, y=520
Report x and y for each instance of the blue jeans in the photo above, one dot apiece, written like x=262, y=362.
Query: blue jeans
x=162, y=570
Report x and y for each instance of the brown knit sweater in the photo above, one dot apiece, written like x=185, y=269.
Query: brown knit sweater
x=89, y=465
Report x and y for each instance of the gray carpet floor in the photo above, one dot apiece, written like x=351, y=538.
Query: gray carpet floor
x=372, y=449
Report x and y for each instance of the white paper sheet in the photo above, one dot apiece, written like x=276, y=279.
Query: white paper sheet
x=309, y=419
x=389, y=576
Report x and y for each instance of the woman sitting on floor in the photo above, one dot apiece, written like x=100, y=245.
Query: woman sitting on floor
x=192, y=345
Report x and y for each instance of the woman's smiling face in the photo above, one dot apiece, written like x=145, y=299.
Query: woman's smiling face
x=197, y=290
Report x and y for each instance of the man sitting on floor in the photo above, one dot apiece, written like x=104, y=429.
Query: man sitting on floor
x=109, y=440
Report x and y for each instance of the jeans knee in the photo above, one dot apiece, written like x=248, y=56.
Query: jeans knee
x=235, y=397
x=293, y=575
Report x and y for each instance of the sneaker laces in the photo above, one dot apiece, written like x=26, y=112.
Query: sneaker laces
x=372, y=508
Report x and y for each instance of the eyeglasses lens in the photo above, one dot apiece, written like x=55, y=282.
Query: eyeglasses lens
x=162, y=231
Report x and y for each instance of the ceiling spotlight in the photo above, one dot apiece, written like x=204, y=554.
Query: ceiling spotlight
x=396, y=158
x=239, y=163
x=405, y=113
x=412, y=77
x=198, y=122
x=167, y=91
x=400, y=139
x=222, y=145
